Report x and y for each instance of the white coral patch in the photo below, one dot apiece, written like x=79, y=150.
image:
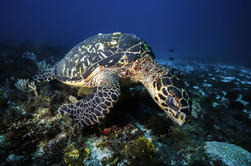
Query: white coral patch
x=98, y=152
x=229, y=154
x=227, y=79
x=245, y=103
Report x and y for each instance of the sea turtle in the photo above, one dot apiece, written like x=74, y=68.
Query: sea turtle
x=105, y=61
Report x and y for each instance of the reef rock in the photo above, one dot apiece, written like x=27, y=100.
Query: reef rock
x=229, y=154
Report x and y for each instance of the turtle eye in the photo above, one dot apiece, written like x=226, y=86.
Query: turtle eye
x=172, y=103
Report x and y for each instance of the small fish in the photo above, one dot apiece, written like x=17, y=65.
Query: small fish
x=171, y=58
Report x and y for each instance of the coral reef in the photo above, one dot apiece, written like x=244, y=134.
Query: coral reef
x=71, y=156
x=144, y=147
x=136, y=132
x=25, y=86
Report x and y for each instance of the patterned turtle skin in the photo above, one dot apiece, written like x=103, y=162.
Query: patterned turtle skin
x=103, y=62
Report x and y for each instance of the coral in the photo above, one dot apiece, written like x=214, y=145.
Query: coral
x=229, y=154
x=116, y=132
x=33, y=131
x=176, y=133
x=99, y=151
x=30, y=56
x=41, y=65
x=106, y=131
x=196, y=108
x=115, y=161
x=145, y=147
x=24, y=86
x=6, y=86
x=33, y=88
x=87, y=152
x=71, y=156
x=140, y=150
x=179, y=137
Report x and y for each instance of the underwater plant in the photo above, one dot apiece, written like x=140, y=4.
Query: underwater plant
x=30, y=56
x=6, y=85
x=41, y=65
x=25, y=87
x=71, y=156
x=87, y=152
x=142, y=148
x=145, y=142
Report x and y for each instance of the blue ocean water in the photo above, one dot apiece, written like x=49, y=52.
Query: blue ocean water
x=209, y=31
x=205, y=45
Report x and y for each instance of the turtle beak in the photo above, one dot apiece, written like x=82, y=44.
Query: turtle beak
x=181, y=119
x=173, y=111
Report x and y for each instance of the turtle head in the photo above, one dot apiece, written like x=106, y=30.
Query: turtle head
x=166, y=88
x=169, y=93
x=172, y=98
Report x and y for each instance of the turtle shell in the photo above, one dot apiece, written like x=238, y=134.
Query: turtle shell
x=108, y=50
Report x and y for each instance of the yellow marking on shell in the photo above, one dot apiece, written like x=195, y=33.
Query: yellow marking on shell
x=116, y=33
x=83, y=46
x=88, y=48
x=123, y=60
x=110, y=61
x=76, y=61
x=88, y=61
x=67, y=72
x=112, y=43
x=80, y=70
x=103, y=54
x=71, y=74
x=80, y=50
x=82, y=59
x=63, y=69
x=99, y=46
x=84, y=67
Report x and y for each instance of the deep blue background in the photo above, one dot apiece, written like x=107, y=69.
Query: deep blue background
x=208, y=30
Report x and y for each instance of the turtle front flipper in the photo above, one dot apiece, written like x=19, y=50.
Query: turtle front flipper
x=98, y=103
x=46, y=75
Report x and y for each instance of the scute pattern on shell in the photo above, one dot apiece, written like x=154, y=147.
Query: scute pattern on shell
x=108, y=50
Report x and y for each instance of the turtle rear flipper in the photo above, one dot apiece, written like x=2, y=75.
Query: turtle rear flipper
x=46, y=75
x=97, y=104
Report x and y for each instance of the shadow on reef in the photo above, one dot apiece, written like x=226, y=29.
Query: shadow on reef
x=135, y=132
x=133, y=106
